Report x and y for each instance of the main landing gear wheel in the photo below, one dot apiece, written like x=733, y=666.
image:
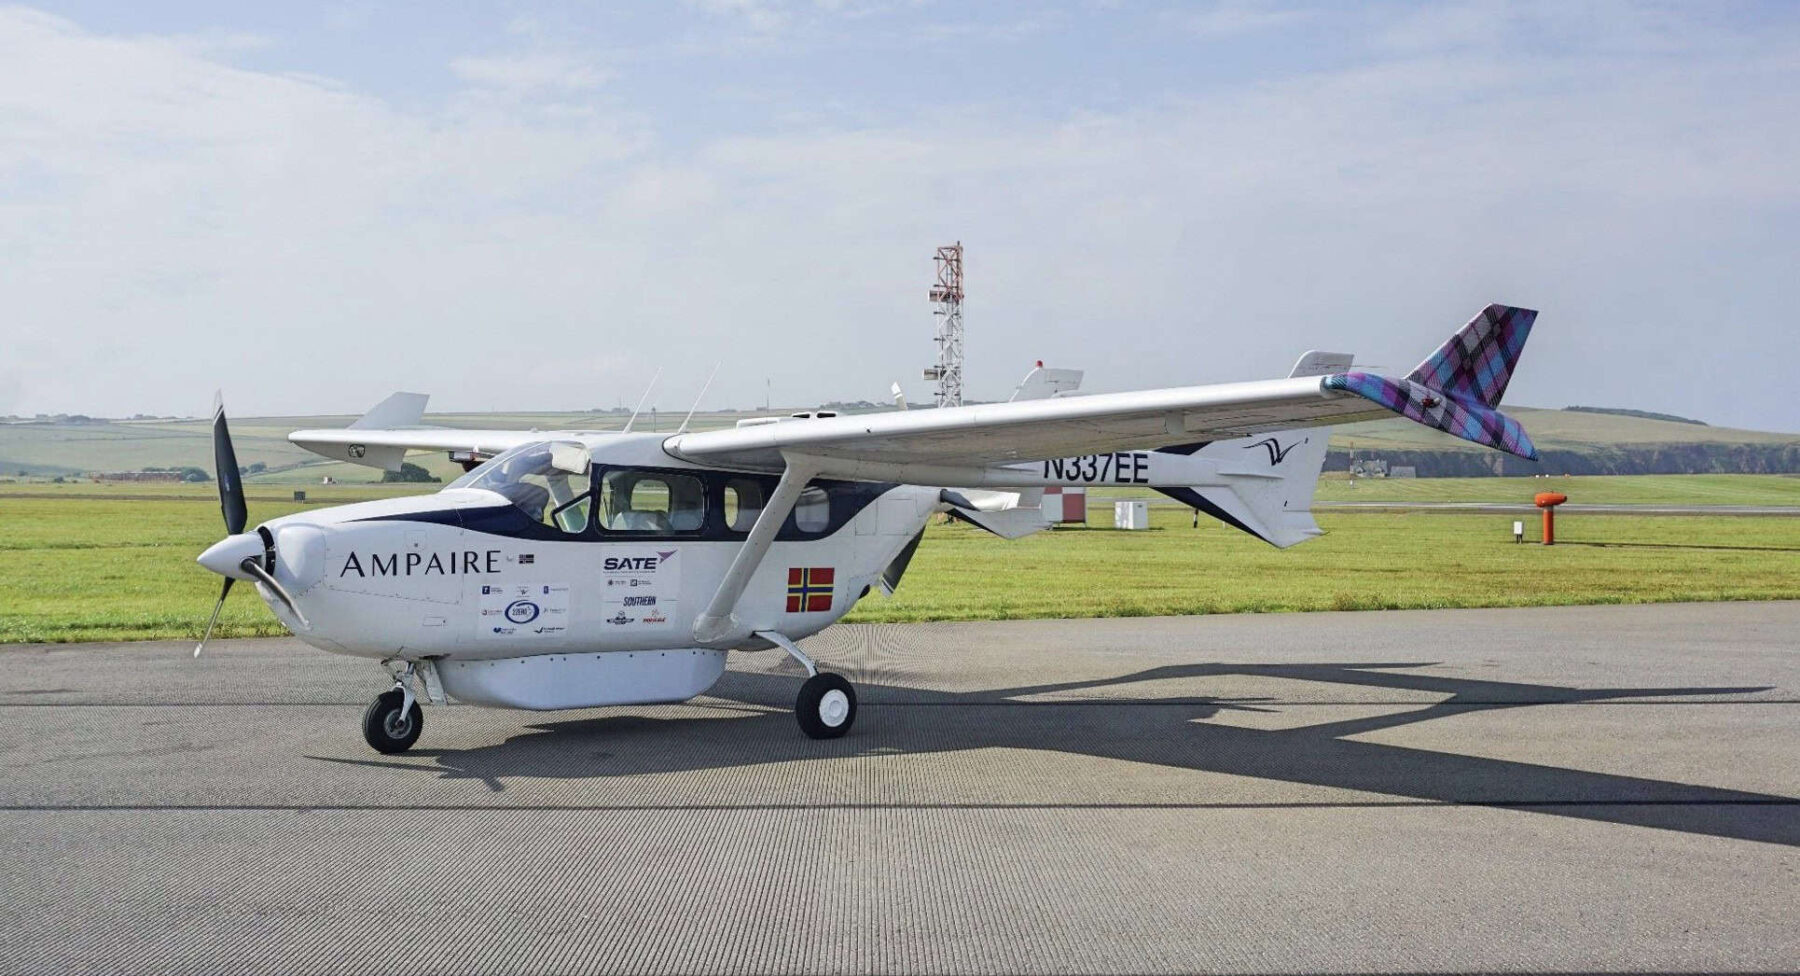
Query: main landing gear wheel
x=387, y=728
x=826, y=707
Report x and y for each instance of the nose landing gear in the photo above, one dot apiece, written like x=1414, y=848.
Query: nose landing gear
x=393, y=721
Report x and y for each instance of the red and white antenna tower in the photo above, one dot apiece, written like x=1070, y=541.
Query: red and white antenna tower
x=946, y=297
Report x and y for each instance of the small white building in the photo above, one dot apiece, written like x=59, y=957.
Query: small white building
x=1131, y=515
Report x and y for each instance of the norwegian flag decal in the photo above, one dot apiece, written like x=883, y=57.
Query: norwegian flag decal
x=809, y=589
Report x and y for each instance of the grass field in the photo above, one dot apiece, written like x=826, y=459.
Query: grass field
x=87, y=562
x=1643, y=489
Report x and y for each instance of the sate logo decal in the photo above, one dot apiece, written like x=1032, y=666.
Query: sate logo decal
x=358, y=450
x=809, y=589
x=638, y=564
x=1277, y=453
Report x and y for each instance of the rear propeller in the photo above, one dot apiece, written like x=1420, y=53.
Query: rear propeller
x=237, y=514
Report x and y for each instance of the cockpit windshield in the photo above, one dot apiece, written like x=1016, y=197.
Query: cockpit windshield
x=547, y=480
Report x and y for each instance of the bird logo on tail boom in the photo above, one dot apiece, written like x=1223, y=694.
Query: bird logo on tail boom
x=1277, y=453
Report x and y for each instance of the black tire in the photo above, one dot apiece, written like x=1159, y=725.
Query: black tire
x=386, y=729
x=821, y=714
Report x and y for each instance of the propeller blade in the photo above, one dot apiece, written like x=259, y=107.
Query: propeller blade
x=254, y=567
x=215, y=617
x=231, y=485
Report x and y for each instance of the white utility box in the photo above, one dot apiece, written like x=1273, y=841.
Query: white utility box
x=1131, y=515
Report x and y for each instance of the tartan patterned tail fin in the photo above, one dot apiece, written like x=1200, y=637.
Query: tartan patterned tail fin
x=1476, y=363
x=1458, y=388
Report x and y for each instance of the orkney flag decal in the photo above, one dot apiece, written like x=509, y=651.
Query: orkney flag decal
x=809, y=590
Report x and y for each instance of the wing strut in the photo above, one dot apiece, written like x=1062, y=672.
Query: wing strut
x=716, y=621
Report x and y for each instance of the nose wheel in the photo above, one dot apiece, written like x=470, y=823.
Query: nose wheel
x=826, y=707
x=392, y=722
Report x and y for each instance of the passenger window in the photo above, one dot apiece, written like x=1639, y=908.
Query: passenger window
x=651, y=502
x=813, y=512
x=743, y=503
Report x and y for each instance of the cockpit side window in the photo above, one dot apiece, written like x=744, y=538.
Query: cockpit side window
x=651, y=503
x=546, y=493
x=812, y=513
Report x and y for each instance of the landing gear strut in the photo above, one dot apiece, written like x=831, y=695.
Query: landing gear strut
x=826, y=706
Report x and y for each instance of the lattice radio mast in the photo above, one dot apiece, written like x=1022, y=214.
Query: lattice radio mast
x=946, y=298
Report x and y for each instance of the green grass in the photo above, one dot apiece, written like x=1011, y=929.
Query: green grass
x=1645, y=489
x=88, y=562
x=1366, y=561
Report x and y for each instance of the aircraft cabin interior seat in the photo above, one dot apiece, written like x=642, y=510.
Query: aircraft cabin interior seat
x=530, y=498
x=636, y=521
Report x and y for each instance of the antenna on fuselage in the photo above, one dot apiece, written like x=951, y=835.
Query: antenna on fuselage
x=640, y=404
x=703, y=388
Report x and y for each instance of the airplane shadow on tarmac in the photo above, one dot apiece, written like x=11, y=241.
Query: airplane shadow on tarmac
x=760, y=730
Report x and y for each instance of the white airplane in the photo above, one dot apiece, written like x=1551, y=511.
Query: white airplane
x=573, y=569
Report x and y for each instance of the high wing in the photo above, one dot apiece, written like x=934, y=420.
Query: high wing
x=1031, y=430
x=1455, y=390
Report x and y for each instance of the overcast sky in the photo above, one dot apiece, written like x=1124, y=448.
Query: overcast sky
x=534, y=207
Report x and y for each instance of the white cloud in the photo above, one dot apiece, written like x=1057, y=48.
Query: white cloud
x=1230, y=18
x=170, y=223
x=529, y=72
x=760, y=15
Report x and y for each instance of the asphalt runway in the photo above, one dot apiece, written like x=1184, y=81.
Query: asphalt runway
x=1595, y=788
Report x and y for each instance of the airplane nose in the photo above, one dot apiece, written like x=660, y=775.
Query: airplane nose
x=226, y=556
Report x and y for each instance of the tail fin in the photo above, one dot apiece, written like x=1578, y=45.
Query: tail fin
x=1476, y=362
x=398, y=410
x=1275, y=504
x=1458, y=388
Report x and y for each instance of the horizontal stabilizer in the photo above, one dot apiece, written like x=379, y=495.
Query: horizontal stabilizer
x=1000, y=512
x=1268, y=484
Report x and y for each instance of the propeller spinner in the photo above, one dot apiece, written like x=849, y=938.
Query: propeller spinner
x=240, y=555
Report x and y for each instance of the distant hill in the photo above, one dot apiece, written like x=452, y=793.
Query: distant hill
x=1646, y=414
x=1575, y=441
